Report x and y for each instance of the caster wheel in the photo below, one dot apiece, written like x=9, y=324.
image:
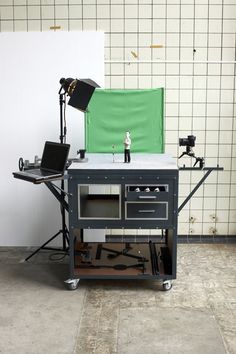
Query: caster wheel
x=72, y=284
x=166, y=285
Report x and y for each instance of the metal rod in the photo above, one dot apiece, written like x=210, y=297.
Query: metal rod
x=43, y=246
x=59, y=197
x=201, y=169
x=194, y=190
x=62, y=190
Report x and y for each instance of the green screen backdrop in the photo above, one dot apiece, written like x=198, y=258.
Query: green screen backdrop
x=113, y=112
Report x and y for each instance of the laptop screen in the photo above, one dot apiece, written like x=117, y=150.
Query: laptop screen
x=55, y=156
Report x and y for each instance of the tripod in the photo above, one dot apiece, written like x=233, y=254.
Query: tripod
x=60, y=196
x=189, y=152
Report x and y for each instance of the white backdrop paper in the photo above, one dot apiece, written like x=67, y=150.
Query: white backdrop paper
x=31, y=65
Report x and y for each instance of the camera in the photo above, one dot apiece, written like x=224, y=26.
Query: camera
x=189, y=141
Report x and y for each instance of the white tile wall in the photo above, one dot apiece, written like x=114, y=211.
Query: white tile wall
x=199, y=97
x=48, y=12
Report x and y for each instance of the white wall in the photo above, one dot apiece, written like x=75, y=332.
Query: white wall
x=199, y=98
x=31, y=65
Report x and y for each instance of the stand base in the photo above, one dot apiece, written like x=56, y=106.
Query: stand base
x=63, y=249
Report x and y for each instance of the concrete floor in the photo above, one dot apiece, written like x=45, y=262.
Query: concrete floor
x=197, y=316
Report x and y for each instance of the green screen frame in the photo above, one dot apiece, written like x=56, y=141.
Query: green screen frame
x=113, y=112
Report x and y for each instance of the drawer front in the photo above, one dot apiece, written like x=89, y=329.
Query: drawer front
x=150, y=210
x=148, y=192
x=147, y=196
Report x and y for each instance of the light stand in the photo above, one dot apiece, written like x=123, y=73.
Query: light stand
x=64, y=230
x=80, y=92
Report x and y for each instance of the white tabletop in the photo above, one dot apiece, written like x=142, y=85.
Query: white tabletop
x=139, y=161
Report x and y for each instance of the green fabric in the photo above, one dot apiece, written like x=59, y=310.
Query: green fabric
x=113, y=112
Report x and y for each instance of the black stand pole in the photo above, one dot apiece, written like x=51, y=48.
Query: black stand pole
x=64, y=231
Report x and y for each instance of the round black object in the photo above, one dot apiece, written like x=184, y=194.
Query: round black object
x=21, y=164
x=82, y=153
x=120, y=266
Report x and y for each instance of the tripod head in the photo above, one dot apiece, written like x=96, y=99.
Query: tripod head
x=189, y=143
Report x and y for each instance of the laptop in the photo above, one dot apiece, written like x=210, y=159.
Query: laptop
x=52, y=166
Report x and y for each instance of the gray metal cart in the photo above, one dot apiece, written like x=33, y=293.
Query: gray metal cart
x=106, y=194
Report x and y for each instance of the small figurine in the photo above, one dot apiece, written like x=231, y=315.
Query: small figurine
x=127, y=144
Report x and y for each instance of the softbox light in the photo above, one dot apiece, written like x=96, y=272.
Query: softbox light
x=80, y=91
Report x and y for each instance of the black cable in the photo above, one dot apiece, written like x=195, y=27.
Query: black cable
x=53, y=257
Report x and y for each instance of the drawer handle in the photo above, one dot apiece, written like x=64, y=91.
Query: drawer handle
x=147, y=197
x=146, y=211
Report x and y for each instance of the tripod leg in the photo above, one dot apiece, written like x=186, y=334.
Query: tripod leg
x=38, y=249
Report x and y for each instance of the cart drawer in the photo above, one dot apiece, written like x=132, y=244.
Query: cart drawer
x=147, y=192
x=149, y=210
x=147, y=197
